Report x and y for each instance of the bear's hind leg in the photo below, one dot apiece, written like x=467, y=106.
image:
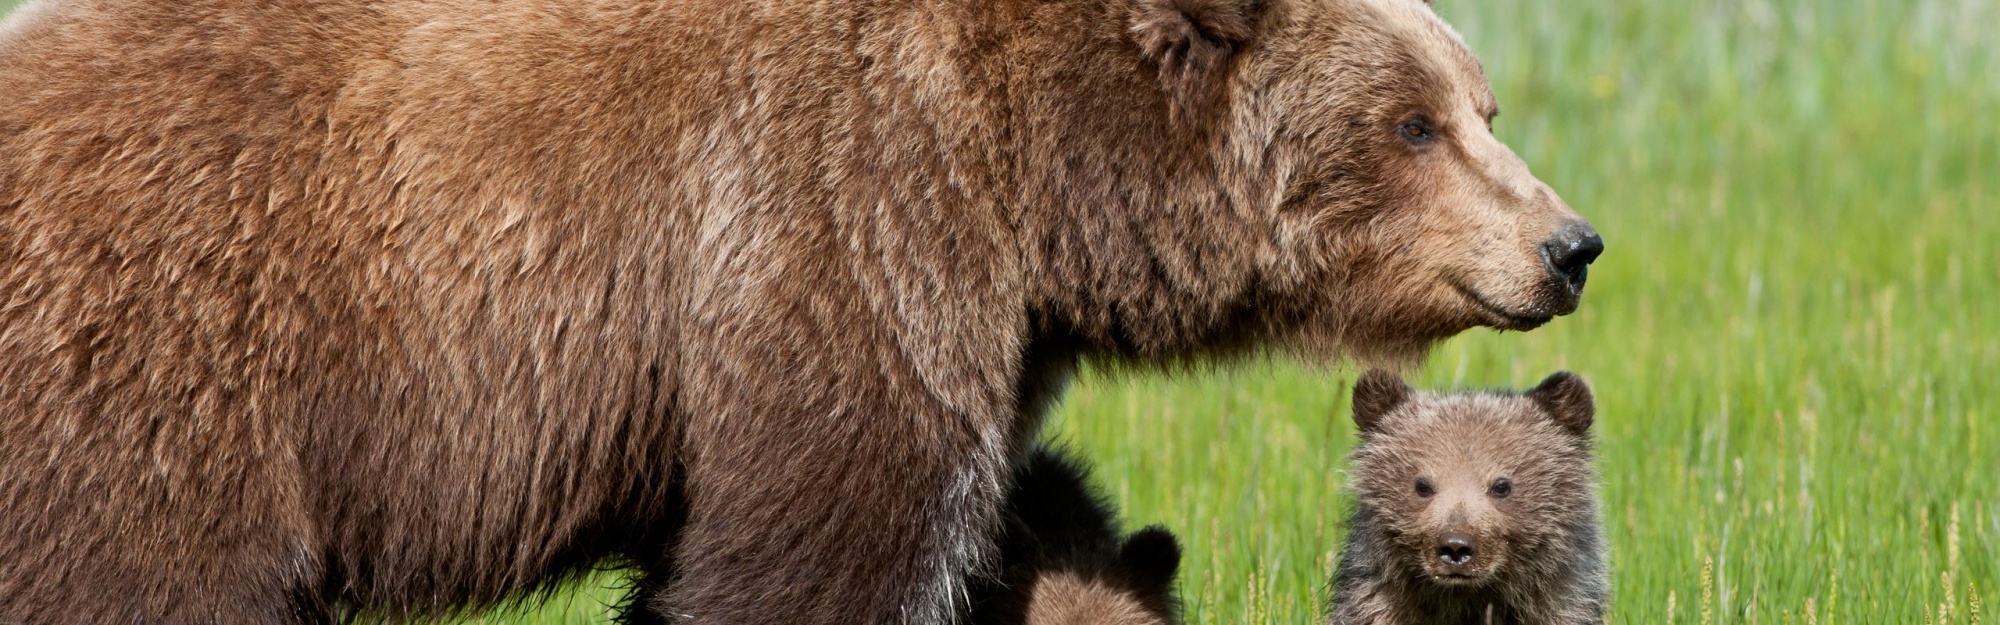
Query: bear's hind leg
x=117, y=581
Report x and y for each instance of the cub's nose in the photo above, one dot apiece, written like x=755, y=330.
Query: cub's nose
x=1455, y=549
x=1570, y=253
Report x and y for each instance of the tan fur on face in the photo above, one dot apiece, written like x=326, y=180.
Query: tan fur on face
x=1460, y=444
x=1444, y=238
x=1065, y=598
x=1538, y=550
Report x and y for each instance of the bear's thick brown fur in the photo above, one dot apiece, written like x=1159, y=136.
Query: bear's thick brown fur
x=1473, y=508
x=1064, y=561
x=314, y=308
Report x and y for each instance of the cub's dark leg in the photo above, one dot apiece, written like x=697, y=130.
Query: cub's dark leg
x=651, y=582
x=651, y=554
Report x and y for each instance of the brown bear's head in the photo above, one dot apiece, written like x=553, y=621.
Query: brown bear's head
x=1401, y=219
x=1466, y=485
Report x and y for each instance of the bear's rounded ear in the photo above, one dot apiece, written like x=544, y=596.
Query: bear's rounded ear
x=1153, y=556
x=1192, y=42
x=1568, y=401
x=1375, y=394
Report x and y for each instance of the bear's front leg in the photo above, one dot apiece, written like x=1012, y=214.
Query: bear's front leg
x=828, y=481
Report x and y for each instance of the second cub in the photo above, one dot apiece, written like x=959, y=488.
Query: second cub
x=1064, y=561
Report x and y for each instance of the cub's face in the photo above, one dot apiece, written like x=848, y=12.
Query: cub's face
x=1133, y=588
x=1400, y=197
x=1067, y=598
x=1465, y=486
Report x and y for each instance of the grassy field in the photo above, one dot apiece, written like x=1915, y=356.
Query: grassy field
x=1794, y=335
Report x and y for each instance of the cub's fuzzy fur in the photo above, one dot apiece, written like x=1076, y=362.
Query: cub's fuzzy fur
x=1473, y=508
x=1063, y=560
x=317, y=308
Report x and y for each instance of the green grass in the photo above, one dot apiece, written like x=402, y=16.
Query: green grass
x=1794, y=335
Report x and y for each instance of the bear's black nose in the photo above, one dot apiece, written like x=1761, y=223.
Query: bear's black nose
x=1570, y=253
x=1455, y=549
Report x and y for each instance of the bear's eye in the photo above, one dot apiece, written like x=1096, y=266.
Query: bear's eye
x=1500, y=488
x=1424, y=488
x=1417, y=131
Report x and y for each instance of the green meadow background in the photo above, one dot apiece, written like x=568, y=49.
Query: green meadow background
x=1794, y=333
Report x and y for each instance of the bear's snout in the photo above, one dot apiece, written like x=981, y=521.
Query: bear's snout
x=1456, y=549
x=1569, y=254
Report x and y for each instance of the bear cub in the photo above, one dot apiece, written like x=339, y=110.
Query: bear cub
x=1063, y=560
x=1472, y=508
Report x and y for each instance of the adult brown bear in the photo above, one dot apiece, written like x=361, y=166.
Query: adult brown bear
x=316, y=308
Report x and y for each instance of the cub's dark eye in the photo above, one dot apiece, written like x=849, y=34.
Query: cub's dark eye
x=1417, y=131
x=1424, y=488
x=1500, y=488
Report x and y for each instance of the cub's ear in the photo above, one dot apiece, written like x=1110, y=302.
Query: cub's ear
x=1567, y=399
x=1192, y=41
x=1375, y=394
x=1153, y=556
